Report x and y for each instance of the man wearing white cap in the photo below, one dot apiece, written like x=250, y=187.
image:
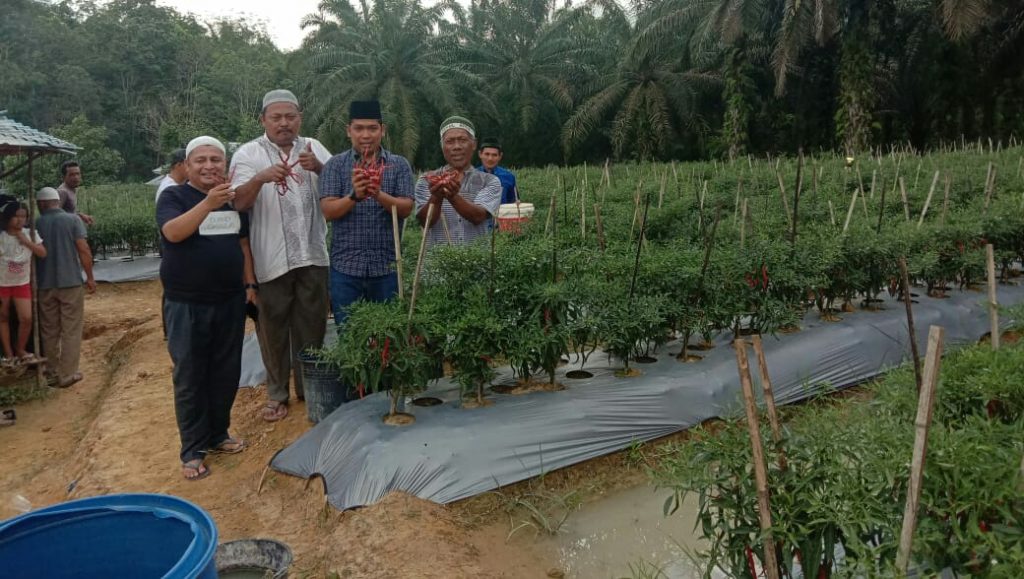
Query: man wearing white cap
x=205, y=271
x=276, y=178
x=59, y=281
x=466, y=197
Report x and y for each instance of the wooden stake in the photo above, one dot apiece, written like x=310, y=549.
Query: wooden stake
x=639, y=246
x=928, y=201
x=398, y=247
x=782, y=191
x=583, y=214
x=906, y=204
x=832, y=212
x=874, y=179
x=743, y=223
x=796, y=198
x=771, y=566
x=925, y=405
x=993, y=301
x=661, y=193
x=419, y=265
x=444, y=225
x=945, y=200
x=600, y=227
x=907, y=300
x=703, y=193
x=991, y=188
x=860, y=189
x=769, y=399
x=849, y=213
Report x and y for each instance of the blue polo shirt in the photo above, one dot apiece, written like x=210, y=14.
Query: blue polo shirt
x=508, y=182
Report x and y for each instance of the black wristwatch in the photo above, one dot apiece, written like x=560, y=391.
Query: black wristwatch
x=353, y=197
x=252, y=286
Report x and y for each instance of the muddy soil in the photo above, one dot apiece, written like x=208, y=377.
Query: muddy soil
x=115, y=432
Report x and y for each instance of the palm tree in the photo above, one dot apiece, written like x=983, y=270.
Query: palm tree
x=648, y=96
x=530, y=56
x=385, y=50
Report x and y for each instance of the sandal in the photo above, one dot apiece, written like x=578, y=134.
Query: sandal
x=275, y=411
x=70, y=380
x=8, y=417
x=229, y=446
x=30, y=360
x=197, y=469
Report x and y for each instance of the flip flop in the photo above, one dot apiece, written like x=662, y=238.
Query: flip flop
x=275, y=411
x=30, y=360
x=229, y=446
x=196, y=465
x=8, y=417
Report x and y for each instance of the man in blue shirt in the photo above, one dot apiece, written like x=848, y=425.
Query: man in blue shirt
x=358, y=188
x=490, y=155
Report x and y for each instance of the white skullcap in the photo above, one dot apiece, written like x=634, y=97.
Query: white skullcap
x=279, y=95
x=201, y=141
x=47, y=194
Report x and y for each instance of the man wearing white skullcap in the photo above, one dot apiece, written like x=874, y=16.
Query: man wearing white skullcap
x=464, y=198
x=205, y=270
x=277, y=179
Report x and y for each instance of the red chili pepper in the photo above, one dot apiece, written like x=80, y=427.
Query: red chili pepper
x=983, y=526
x=750, y=561
x=385, y=353
x=764, y=274
x=750, y=280
x=282, y=185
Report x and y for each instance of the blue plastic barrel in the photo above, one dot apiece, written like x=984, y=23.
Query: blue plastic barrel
x=131, y=535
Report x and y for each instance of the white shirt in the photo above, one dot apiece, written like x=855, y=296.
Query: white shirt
x=14, y=259
x=286, y=231
x=165, y=183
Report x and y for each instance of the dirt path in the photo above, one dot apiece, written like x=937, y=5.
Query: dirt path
x=115, y=432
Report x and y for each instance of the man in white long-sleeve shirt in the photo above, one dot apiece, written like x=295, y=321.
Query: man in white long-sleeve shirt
x=276, y=178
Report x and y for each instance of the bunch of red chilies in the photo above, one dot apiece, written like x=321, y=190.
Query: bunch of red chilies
x=282, y=185
x=446, y=177
x=758, y=281
x=370, y=167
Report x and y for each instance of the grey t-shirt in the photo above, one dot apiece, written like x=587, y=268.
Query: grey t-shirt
x=61, y=267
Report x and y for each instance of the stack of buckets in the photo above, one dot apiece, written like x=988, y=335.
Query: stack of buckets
x=131, y=535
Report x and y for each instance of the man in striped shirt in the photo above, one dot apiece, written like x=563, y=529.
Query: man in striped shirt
x=464, y=198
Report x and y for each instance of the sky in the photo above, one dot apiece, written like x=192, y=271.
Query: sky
x=280, y=17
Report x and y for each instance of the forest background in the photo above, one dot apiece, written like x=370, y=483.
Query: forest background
x=558, y=83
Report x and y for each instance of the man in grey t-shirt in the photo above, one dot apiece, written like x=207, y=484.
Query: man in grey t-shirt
x=59, y=280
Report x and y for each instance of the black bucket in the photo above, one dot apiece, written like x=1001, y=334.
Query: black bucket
x=251, y=558
x=323, y=387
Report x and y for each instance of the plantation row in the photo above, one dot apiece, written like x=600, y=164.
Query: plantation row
x=844, y=478
x=629, y=259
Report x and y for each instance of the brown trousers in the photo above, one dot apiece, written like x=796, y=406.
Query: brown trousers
x=60, y=328
x=293, y=317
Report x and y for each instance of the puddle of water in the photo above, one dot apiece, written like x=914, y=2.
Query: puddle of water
x=604, y=538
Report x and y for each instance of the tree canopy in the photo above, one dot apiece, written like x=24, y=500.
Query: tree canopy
x=556, y=81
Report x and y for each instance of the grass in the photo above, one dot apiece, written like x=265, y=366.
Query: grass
x=23, y=390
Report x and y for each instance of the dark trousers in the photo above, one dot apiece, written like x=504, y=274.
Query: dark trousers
x=293, y=317
x=347, y=289
x=205, y=343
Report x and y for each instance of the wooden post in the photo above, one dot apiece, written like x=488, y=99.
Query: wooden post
x=771, y=566
x=796, y=198
x=600, y=227
x=769, y=399
x=925, y=405
x=832, y=212
x=905, y=285
x=881, y=208
x=419, y=265
x=874, y=179
x=991, y=186
x=782, y=191
x=860, y=188
x=928, y=201
x=639, y=246
x=398, y=248
x=36, y=343
x=906, y=204
x=583, y=214
x=849, y=213
x=661, y=193
x=993, y=302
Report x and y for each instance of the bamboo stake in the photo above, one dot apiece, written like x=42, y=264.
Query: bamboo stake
x=874, y=178
x=928, y=201
x=444, y=225
x=991, y=189
x=600, y=227
x=703, y=192
x=905, y=285
x=849, y=213
x=925, y=405
x=782, y=191
x=419, y=266
x=639, y=246
x=832, y=212
x=945, y=200
x=881, y=209
x=661, y=193
x=769, y=399
x=771, y=566
x=993, y=301
x=743, y=223
x=583, y=214
x=398, y=248
x=906, y=204
x=796, y=198
x=860, y=189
